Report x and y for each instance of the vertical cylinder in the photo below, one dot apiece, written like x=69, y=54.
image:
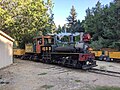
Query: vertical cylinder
x=81, y=36
x=71, y=38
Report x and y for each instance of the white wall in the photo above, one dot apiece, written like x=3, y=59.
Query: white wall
x=6, y=52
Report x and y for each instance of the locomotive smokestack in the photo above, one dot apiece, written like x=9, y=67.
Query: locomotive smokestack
x=81, y=36
x=81, y=31
x=71, y=38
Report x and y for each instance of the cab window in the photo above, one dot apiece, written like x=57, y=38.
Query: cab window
x=39, y=41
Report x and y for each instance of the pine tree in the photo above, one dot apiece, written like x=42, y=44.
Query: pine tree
x=103, y=23
x=117, y=2
x=59, y=29
x=72, y=20
x=78, y=26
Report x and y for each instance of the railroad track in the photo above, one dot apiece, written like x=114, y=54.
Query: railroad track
x=105, y=72
x=92, y=70
x=115, y=61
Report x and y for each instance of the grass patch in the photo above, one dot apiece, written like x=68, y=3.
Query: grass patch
x=2, y=82
x=47, y=86
x=107, y=88
x=42, y=74
x=77, y=80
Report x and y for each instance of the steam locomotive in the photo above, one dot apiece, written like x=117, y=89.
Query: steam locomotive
x=62, y=49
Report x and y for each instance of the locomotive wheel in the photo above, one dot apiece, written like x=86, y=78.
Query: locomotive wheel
x=43, y=60
x=48, y=61
x=74, y=63
x=63, y=62
x=59, y=62
x=22, y=57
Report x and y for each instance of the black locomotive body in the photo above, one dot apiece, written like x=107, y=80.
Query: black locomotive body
x=64, y=51
x=69, y=54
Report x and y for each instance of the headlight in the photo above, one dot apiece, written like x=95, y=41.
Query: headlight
x=87, y=62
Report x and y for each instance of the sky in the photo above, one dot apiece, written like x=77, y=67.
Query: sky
x=62, y=9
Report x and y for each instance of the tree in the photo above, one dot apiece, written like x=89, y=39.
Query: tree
x=24, y=19
x=64, y=28
x=78, y=26
x=59, y=29
x=103, y=22
x=117, y=2
x=72, y=20
x=51, y=27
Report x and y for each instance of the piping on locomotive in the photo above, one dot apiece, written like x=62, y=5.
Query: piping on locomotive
x=55, y=49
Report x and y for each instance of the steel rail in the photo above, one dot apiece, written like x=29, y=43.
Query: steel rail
x=105, y=72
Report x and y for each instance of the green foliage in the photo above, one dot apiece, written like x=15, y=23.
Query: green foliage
x=103, y=22
x=42, y=74
x=106, y=88
x=77, y=80
x=59, y=29
x=72, y=20
x=73, y=25
x=24, y=19
x=47, y=86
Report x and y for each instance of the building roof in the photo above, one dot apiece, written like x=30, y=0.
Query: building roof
x=6, y=36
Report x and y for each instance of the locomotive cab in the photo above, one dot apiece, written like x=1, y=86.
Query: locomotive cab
x=42, y=41
x=33, y=50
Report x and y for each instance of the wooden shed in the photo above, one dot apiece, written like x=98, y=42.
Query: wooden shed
x=6, y=50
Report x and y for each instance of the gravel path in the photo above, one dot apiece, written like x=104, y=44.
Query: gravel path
x=28, y=75
x=108, y=66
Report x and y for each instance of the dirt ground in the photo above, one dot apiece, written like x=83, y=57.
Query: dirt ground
x=29, y=75
x=108, y=66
